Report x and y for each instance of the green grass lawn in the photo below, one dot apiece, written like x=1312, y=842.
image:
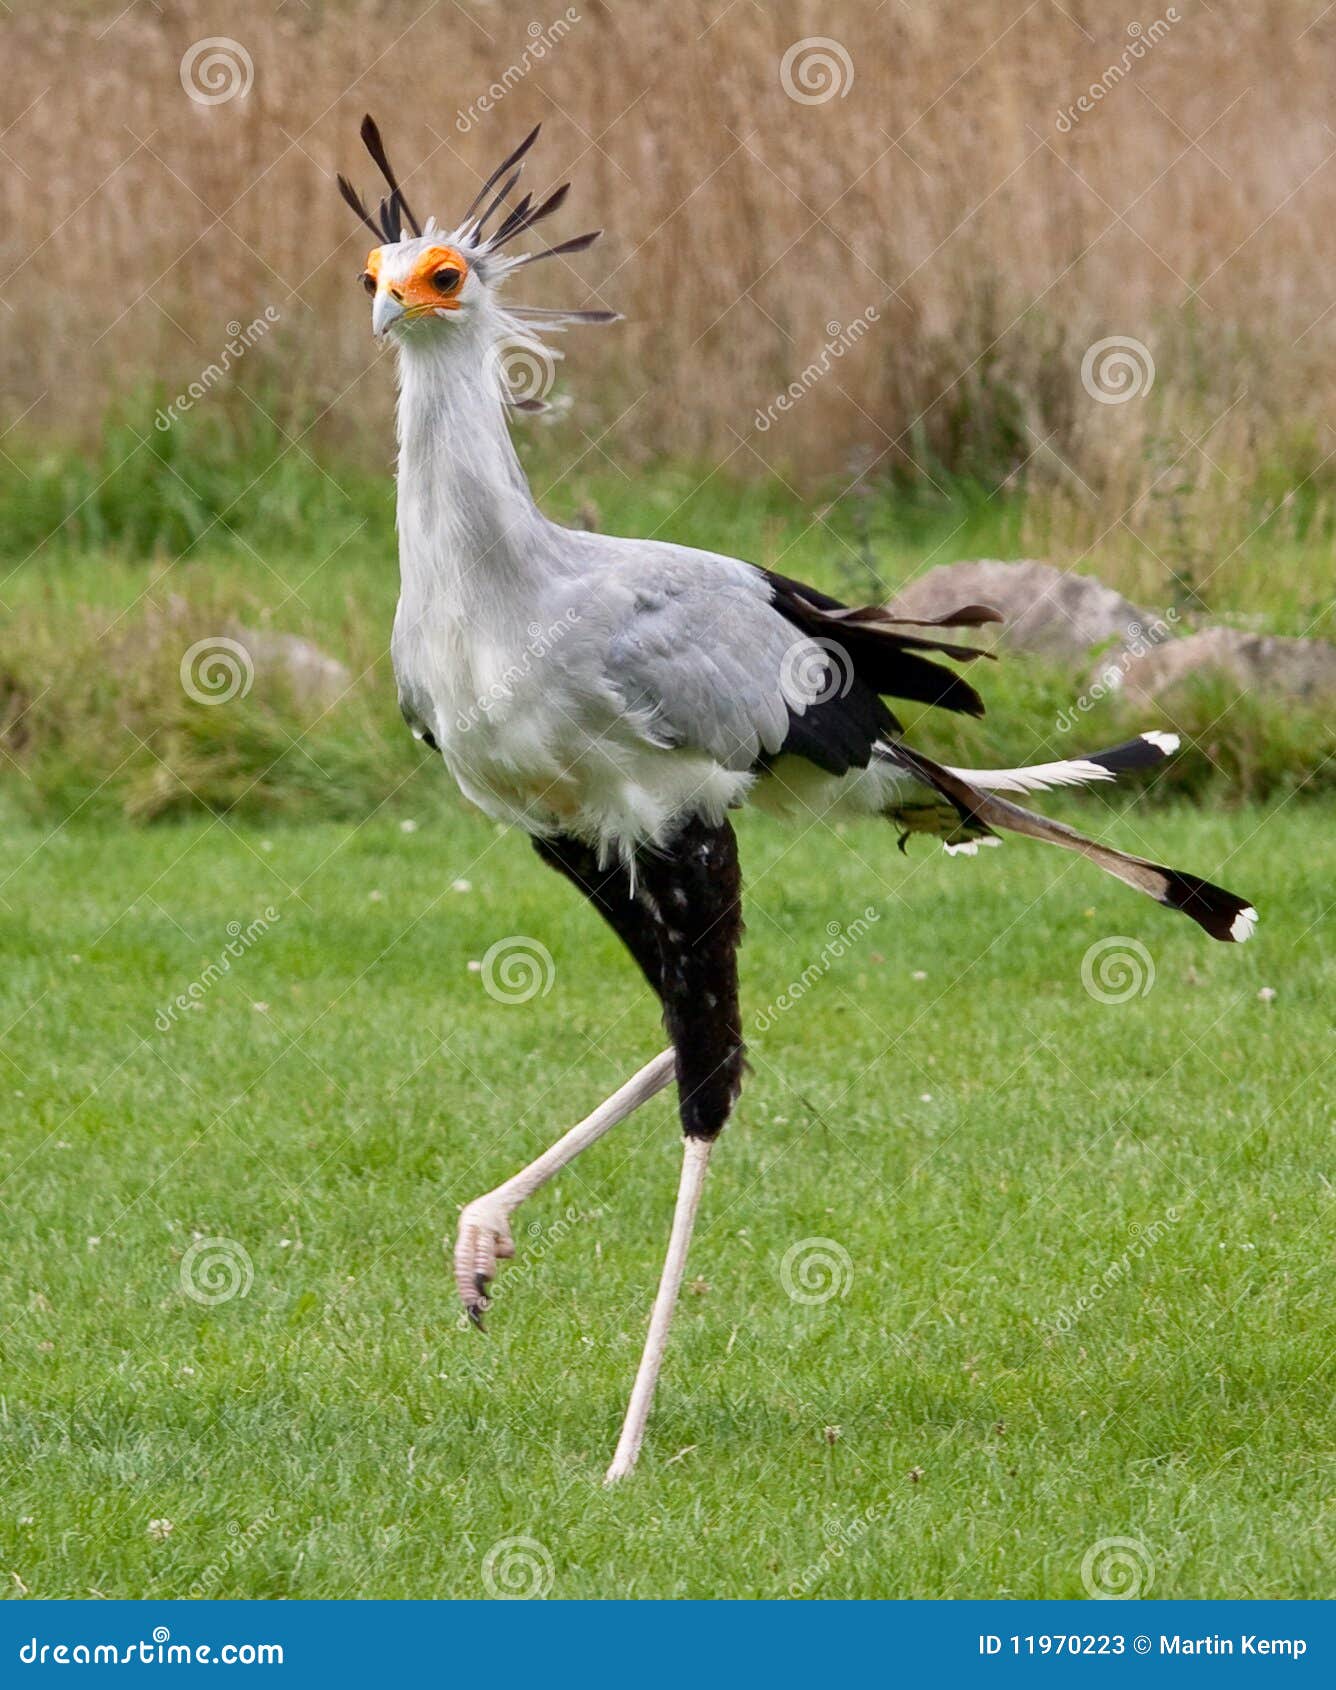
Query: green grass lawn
x=982, y=1143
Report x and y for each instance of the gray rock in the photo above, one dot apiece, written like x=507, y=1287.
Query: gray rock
x=1263, y=663
x=1048, y=611
x=314, y=676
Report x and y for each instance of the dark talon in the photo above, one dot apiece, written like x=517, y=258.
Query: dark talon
x=475, y=1316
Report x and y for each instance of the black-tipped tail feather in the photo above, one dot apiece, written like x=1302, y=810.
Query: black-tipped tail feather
x=1222, y=914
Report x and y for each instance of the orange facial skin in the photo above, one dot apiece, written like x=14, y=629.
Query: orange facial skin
x=434, y=286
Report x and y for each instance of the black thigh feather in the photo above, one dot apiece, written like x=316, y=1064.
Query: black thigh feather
x=682, y=922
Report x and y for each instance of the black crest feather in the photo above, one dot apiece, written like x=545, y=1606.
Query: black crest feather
x=576, y=244
x=397, y=203
x=507, y=163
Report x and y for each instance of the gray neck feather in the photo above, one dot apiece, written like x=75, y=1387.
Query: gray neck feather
x=469, y=532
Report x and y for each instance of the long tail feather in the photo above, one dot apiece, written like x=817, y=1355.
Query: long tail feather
x=1143, y=752
x=1220, y=913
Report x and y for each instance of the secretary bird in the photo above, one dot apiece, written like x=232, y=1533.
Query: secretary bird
x=616, y=699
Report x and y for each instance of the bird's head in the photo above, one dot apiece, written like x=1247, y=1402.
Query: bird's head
x=426, y=280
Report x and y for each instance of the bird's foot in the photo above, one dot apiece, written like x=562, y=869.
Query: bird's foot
x=483, y=1240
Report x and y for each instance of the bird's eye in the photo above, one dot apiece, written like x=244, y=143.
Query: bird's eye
x=368, y=281
x=446, y=280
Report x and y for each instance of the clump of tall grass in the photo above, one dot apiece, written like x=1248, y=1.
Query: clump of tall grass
x=1190, y=208
x=135, y=714
x=96, y=716
x=227, y=478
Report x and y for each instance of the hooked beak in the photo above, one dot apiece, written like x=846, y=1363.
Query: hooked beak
x=385, y=313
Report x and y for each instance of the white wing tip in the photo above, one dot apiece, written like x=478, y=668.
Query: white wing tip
x=1241, y=928
x=1166, y=744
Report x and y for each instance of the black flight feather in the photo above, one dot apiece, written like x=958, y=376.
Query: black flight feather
x=883, y=660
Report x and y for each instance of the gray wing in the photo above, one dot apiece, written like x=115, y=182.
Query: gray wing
x=692, y=646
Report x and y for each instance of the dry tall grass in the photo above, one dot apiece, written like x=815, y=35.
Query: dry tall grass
x=1193, y=208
